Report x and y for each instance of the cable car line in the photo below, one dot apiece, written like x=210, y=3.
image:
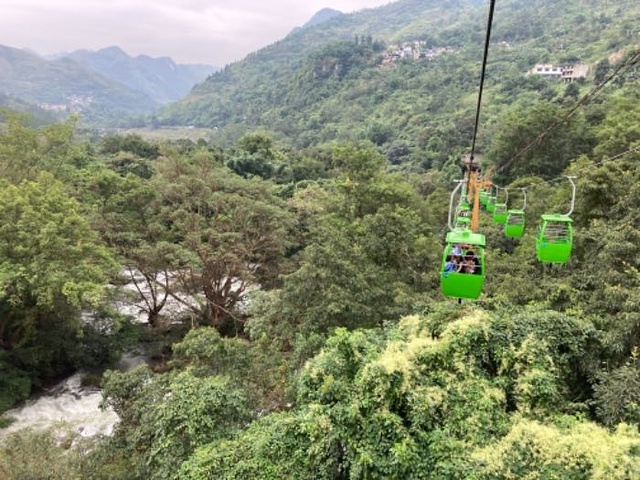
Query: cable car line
x=463, y=268
x=580, y=170
x=482, y=76
x=463, y=262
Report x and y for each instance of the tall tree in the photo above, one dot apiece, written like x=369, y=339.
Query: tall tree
x=126, y=213
x=367, y=261
x=230, y=234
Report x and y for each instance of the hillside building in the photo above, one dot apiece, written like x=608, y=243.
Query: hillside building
x=566, y=73
x=571, y=73
x=416, y=50
x=53, y=107
x=547, y=70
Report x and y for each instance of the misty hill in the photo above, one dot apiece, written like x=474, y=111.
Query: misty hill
x=63, y=86
x=161, y=79
x=329, y=81
x=322, y=16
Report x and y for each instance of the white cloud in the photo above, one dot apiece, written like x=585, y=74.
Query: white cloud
x=211, y=31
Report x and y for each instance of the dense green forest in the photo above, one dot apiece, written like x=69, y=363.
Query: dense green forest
x=315, y=342
x=327, y=83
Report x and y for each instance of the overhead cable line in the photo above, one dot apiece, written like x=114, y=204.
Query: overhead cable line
x=484, y=69
x=580, y=170
x=632, y=60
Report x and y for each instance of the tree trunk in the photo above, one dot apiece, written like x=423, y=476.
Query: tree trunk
x=3, y=325
x=153, y=317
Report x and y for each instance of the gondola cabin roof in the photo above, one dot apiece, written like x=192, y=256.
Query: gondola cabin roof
x=556, y=218
x=465, y=237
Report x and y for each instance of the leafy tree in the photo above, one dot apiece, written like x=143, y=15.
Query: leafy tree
x=15, y=383
x=431, y=395
x=601, y=71
x=620, y=129
x=521, y=126
x=365, y=264
x=229, y=232
x=617, y=394
x=397, y=153
x=257, y=371
x=125, y=162
x=49, y=260
x=256, y=142
x=32, y=454
x=130, y=143
x=379, y=133
x=50, y=267
x=273, y=447
x=186, y=411
x=127, y=215
x=24, y=151
x=572, y=92
x=248, y=165
x=571, y=450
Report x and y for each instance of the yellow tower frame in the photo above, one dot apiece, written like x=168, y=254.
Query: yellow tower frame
x=475, y=184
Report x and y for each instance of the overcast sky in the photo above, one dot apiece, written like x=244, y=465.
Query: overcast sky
x=189, y=31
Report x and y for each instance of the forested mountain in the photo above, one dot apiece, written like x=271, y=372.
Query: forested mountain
x=313, y=340
x=328, y=82
x=64, y=86
x=161, y=79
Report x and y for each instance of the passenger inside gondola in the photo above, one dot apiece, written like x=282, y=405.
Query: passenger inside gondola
x=450, y=266
x=471, y=264
x=462, y=260
x=556, y=233
x=454, y=264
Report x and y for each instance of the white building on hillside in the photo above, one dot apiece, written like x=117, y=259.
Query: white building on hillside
x=547, y=70
x=566, y=73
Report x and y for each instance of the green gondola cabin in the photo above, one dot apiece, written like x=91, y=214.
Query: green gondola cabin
x=514, y=226
x=491, y=204
x=463, y=246
x=555, y=239
x=462, y=223
x=500, y=213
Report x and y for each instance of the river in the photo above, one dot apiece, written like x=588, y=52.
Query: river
x=73, y=404
x=68, y=402
x=76, y=405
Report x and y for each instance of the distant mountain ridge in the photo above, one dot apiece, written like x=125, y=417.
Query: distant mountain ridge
x=107, y=85
x=161, y=79
x=63, y=86
x=246, y=92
